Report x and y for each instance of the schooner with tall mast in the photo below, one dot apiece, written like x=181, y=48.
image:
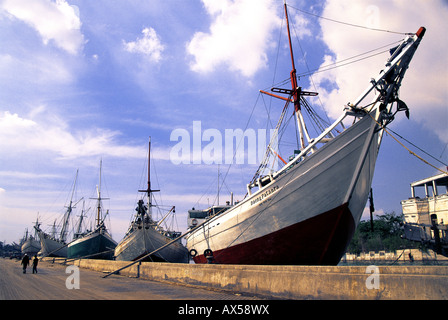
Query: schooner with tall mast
x=145, y=235
x=97, y=244
x=307, y=211
x=30, y=243
x=56, y=245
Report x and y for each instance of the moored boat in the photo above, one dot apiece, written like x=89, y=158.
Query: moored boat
x=30, y=244
x=307, y=211
x=145, y=235
x=97, y=244
x=53, y=245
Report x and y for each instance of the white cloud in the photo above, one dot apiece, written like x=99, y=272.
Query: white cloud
x=53, y=136
x=239, y=36
x=26, y=175
x=54, y=20
x=425, y=83
x=302, y=25
x=35, y=70
x=149, y=45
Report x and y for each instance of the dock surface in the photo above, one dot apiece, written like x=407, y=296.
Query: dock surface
x=50, y=284
x=171, y=281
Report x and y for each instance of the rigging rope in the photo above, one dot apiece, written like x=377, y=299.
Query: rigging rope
x=410, y=151
x=446, y=165
x=338, y=64
x=349, y=24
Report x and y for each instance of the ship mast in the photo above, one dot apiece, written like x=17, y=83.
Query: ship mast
x=293, y=73
x=99, y=197
x=296, y=93
x=79, y=227
x=98, y=190
x=296, y=90
x=149, y=191
x=65, y=221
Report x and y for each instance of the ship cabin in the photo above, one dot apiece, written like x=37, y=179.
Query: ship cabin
x=260, y=183
x=426, y=211
x=428, y=197
x=196, y=217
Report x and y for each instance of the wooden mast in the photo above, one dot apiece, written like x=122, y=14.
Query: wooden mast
x=98, y=191
x=295, y=87
x=296, y=92
x=293, y=73
x=149, y=191
x=99, y=196
x=66, y=218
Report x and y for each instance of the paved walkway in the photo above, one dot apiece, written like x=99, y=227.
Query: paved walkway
x=50, y=284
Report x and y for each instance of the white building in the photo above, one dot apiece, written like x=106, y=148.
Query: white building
x=427, y=209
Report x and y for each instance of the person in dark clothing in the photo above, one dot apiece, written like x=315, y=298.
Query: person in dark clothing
x=25, y=262
x=35, y=261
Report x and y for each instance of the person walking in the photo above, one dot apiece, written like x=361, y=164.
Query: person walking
x=25, y=262
x=35, y=261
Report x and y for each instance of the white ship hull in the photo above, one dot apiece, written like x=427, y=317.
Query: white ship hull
x=52, y=247
x=145, y=240
x=30, y=247
x=307, y=215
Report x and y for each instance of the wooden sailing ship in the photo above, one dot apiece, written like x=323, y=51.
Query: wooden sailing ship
x=30, y=244
x=97, y=244
x=145, y=235
x=55, y=245
x=307, y=211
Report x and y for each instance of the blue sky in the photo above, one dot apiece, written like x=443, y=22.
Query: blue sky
x=84, y=80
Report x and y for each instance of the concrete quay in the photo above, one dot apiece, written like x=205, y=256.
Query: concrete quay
x=295, y=282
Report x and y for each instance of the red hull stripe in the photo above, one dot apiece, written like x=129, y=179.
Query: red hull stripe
x=321, y=240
